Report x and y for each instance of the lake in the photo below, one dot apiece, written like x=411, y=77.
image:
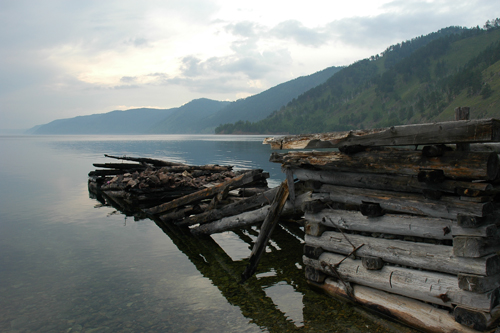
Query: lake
x=70, y=264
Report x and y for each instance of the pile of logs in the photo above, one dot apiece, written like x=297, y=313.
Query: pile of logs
x=207, y=199
x=405, y=220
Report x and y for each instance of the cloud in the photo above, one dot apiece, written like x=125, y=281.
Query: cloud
x=293, y=29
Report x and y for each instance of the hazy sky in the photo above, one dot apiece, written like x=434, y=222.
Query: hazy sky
x=63, y=58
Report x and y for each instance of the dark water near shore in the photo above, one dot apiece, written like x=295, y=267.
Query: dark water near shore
x=67, y=264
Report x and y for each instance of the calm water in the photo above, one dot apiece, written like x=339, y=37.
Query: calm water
x=68, y=264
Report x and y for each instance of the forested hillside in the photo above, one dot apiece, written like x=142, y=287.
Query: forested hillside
x=416, y=81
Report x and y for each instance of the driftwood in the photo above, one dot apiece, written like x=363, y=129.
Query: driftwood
x=412, y=312
x=266, y=230
x=437, y=288
x=455, y=165
x=432, y=257
x=466, y=131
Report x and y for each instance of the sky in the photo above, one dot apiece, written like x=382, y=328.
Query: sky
x=65, y=58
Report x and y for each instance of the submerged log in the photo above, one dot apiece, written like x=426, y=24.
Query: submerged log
x=432, y=257
x=471, y=131
x=437, y=288
x=412, y=312
x=455, y=165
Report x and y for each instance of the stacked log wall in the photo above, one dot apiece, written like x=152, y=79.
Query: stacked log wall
x=418, y=226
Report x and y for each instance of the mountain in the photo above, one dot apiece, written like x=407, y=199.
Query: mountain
x=134, y=121
x=421, y=80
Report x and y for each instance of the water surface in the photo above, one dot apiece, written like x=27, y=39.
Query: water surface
x=69, y=264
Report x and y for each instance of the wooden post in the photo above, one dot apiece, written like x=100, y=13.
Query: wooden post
x=462, y=113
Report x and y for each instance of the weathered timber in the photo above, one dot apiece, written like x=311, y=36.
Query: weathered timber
x=435, y=150
x=438, y=258
x=423, y=285
x=405, y=225
x=412, y=312
x=485, y=130
x=478, y=283
x=470, y=221
x=390, y=182
x=430, y=176
x=455, y=165
x=151, y=161
x=120, y=165
x=314, y=275
x=314, y=229
x=489, y=230
x=248, y=218
x=238, y=181
x=232, y=209
x=370, y=209
x=266, y=231
x=182, y=213
x=475, y=247
x=191, y=168
x=312, y=252
x=447, y=207
x=477, y=320
x=462, y=113
x=372, y=263
x=251, y=191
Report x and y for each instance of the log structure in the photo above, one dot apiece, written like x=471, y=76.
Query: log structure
x=405, y=219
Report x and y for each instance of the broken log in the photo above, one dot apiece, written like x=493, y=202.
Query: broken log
x=471, y=131
x=455, y=165
x=207, y=193
x=151, y=161
x=266, y=230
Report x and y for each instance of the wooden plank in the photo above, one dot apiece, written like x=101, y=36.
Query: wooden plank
x=438, y=258
x=447, y=207
x=433, y=287
x=475, y=247
x=477, y=320
x=412, y=312
x=455, y=165
x=390, y=182
x=405, y=225
x=266, y=231
x=478, y=283
x=470, y=131
x=238, y=181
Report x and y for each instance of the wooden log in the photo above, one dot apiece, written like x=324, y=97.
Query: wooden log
x=447, y=207
x=314, y=275
x=431, y=176
x=420, y=255
x=100, y=173
x=236, y=182
x=266, y=231
x=455, y=165
x=251, y=191
x=372, y=263
x=390, y=182
x=473, y=131
x=435, y=150
x=247, y=218
x=314, y=229
x=404, y=225
x=370, y=209
x=232, y=209
x=475, y=247
x=151, y=161
x=477, y=320
x=437, y=288
x=470, y=221
x=462, y=113
x=478, y=283
x=312, y=252
x=120, y=166
x=412, y=312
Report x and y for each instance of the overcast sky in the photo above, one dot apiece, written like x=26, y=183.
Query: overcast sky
x=64, y=58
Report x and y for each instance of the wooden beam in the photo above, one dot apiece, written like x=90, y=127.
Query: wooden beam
x=477, y=320
x=405, y=225
x=437, y=288
x=475, y=247
x=473, y=131
x=447, y=207
x=412, y=312
x=432, y=257
x=455, y=165
x=478, y=283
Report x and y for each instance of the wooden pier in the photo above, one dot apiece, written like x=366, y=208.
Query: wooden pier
x=404, y=220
